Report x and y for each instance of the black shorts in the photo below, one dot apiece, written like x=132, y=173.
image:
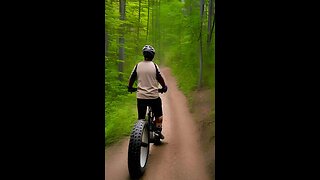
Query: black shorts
x=155, y=104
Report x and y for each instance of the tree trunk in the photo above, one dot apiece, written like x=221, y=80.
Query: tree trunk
x=159, y=38
x=153, y=22
x=210, y=14
x=156, y=30
x=138, y=33
x=148, y=21
x=201, y=56
x=122, y=7
x=213, y=21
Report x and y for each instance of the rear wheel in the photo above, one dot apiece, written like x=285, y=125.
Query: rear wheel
x=138, y=150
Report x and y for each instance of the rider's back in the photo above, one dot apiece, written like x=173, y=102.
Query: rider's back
x=147, y=80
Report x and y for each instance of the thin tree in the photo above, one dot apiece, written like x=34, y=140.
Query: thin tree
x=148, y=21
x=138, y=32
x=200, y=37
x=213, y=21
x=122, y=6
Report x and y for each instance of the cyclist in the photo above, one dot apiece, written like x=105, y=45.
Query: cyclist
x=148, y=77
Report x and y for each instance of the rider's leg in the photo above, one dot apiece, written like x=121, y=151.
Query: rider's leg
x=157, y=109
x=159, y=121
x=142, y=108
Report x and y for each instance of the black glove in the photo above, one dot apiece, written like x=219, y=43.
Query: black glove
x=163, y=89
x=131, y=89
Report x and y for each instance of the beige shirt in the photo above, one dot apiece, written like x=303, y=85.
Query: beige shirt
x=147, y=82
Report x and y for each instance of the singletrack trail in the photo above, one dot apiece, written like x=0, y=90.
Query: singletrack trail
x=179, y=157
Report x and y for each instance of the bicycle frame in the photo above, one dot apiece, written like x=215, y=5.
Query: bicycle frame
x=151, y=125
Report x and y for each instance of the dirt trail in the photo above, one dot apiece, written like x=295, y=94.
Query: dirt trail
x=179, y=156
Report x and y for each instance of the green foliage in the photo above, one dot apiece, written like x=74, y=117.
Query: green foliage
x=120, y=116
x=180, y=44
x=174, y=31
x=120, y=106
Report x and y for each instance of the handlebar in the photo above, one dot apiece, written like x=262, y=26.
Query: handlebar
x=135, y=89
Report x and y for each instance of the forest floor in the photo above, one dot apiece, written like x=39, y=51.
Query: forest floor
x=186, y=153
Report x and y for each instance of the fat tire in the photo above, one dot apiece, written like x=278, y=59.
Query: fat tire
x=134, y=150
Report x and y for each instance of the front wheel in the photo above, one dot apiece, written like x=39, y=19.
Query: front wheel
x=138, y=150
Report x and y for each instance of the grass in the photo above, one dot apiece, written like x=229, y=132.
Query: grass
x=187, y=73
x=120, y=118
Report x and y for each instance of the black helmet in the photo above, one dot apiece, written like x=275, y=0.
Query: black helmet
x=148, y=52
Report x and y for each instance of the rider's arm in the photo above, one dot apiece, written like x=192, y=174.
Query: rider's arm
x=160, y=78
x=133, y=77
